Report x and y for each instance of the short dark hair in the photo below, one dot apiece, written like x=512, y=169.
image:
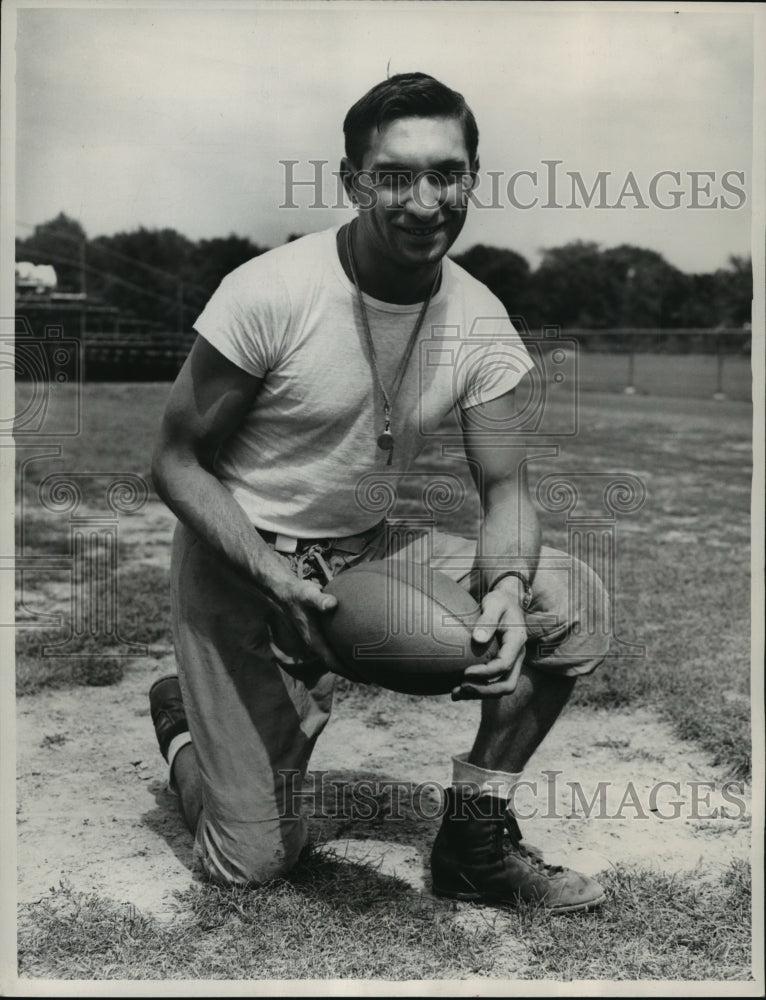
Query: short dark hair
x=406, y=95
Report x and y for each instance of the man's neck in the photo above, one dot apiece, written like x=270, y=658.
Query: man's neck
x=380, y=278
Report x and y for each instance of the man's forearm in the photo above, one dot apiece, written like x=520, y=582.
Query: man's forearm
x=509, y=538
x=204, y=505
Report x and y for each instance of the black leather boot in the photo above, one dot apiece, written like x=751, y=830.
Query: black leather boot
x=167, y=709
x=479, y=856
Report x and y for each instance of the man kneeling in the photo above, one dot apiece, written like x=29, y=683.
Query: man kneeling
x=305, y=380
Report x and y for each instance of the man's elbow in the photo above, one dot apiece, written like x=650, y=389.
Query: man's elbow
x=168, y=459
x=159, y=468
x=173, y=462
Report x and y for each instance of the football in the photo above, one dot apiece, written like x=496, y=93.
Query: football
x=404, y=627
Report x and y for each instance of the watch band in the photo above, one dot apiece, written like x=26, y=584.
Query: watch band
x=527, y=599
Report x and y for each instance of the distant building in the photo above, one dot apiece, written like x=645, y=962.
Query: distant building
x=38, y=278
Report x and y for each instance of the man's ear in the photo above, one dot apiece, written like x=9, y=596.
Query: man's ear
x=357, y=184
x=474, y=172
x=347, y=174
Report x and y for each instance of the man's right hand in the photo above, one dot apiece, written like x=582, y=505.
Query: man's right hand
x=209, y=400
x=296, y=630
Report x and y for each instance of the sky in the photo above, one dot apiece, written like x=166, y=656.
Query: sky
x=180, y=115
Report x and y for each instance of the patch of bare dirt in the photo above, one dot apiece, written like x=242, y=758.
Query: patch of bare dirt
x=93, y=810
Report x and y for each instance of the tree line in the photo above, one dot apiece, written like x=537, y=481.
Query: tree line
x=161, y=276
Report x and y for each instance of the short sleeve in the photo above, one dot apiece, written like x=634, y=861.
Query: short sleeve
x=491, y=364
x=247, y=317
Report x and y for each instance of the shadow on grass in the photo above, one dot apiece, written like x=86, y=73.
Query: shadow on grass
x=362, y=805
x=165, y=822
x=372, y=806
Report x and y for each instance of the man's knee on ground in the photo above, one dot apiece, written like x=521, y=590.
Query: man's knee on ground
x=252, y=854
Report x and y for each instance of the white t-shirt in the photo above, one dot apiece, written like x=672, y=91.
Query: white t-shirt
x=291, y=318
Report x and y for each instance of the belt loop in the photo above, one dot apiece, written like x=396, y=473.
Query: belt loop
x=284, y=543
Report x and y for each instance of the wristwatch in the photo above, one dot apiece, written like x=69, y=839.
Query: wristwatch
x=527, y=599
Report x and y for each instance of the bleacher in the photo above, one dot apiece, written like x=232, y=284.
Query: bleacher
x=111, y=345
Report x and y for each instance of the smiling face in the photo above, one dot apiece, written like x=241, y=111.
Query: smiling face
x=412, y=190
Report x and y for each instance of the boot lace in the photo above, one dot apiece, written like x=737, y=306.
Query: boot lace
x=509, y=837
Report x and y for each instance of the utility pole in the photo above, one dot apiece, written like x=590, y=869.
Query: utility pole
x=83, y=291
x=627, y=305
x=719, y=394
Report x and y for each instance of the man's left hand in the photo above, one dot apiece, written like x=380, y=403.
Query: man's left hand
x=501, y=614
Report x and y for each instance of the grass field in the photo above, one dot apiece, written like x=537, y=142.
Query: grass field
x=688, y=375
x=681, y=589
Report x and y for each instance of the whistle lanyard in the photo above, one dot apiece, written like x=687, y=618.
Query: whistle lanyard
x=386, y=438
